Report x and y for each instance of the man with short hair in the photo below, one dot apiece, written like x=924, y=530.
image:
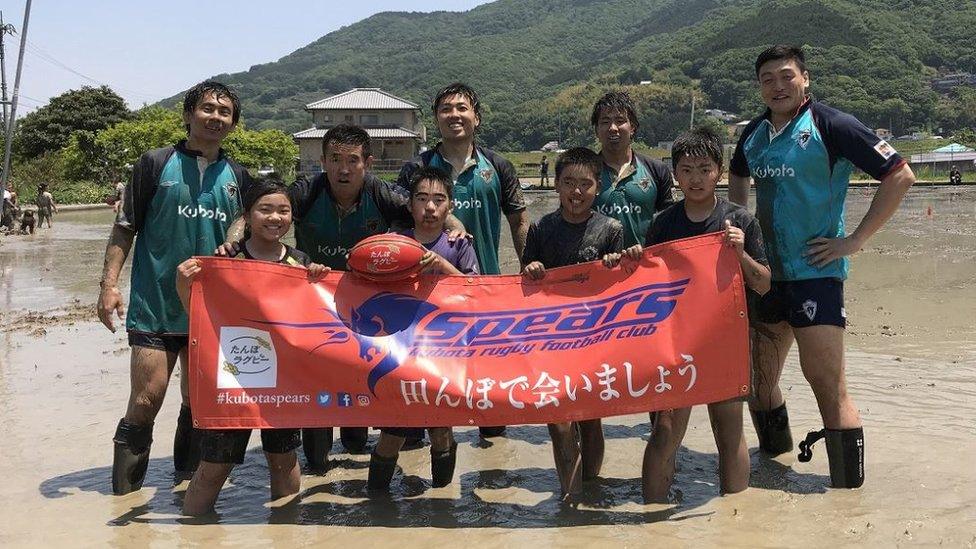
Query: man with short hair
x=485, y=183
x=801, y=153
x=180, y=202
x=633, y=187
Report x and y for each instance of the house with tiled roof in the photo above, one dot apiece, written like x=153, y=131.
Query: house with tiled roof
x=393, y=124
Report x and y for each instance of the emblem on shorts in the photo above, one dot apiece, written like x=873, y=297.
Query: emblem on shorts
x=247, y=359
x=486, y=174
x=644, y=184
x=809, y=308
x=803, y=139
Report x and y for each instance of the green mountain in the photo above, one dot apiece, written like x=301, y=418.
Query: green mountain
x=539, y=64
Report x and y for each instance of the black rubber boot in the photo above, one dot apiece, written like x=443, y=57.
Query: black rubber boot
x=845, y=453
x=773, y=430
x=442, y=466
x=131, y=457
x=354, y=438
x=186, y=443
x=381, y=470
x=491, y=432
x=317, y=443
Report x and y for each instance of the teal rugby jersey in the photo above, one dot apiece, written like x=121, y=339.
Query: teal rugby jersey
x=801, y=175
x=485, y=189
x=179, y=206
x=325, y=235
x=645, y=189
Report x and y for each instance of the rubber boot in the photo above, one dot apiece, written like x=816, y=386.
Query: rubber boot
x=354, y=438
x=381, y=470
x=131, y=457
x=773, y=430
x=317, y=443
x=186, y=443
x=845, y=453
x=491, y=432
x=442, y=466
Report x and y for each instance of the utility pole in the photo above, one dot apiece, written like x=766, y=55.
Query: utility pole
x=13, y=104
x=691, y=126
x=4, y=30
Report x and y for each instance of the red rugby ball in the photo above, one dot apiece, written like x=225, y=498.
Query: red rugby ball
x=386, y=257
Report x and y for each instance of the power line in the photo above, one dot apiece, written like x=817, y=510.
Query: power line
x=45, y=56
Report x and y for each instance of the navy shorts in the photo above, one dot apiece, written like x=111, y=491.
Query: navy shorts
x=229, y=445
x=171, y=343
x=804, y=303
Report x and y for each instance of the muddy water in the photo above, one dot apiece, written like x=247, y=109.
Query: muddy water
x=912, y=362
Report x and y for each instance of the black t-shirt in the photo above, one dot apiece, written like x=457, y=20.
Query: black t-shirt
x=292, y=256
x=673, y=224
x=555, y=242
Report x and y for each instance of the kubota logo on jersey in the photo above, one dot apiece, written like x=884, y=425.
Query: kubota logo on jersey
x=617, y=209
x=201, y=212
x=467, y=204
x=783, y=170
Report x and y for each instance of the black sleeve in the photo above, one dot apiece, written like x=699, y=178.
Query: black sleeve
x=615, y=237
x=512, y=199
x=664, y=181
x=141, y=188
x=533, y=245
x=739, y=166
x=754, y=245
x=655, y=233
x=303, y=193
x=298, y=255
x=393, y=206
x=244, y=182
x=845, y=136
x=403, y=178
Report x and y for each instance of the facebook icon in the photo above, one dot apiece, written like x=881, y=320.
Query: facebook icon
x=344, y=400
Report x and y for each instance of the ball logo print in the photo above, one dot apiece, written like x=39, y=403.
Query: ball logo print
x=246, y=359
x=386, y=257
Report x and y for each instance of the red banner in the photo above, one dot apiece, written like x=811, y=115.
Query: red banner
x=270, y=349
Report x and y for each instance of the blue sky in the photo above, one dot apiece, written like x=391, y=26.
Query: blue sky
x=146, y=51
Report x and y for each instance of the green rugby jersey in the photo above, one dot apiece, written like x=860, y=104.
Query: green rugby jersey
x=485, y=189
x=179, y=205
x=327, y=235
x=634, y=197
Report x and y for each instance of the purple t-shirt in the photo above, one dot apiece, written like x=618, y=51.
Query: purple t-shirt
x=459, y=253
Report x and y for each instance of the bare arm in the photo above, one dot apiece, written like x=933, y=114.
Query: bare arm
x=110, y=298
x=821, y=251
x=235, y=233
x=756, y=274
x=519, y=223
x=739, y=189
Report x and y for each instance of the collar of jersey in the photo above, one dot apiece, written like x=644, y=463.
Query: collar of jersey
x=802, y=109
x=181, y=147
x=475, y=156
x=617, y=178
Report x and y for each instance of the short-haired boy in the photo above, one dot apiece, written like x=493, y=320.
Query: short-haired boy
x=431, y=194
x=574, y=234
x=267, y=211
x=697, y=160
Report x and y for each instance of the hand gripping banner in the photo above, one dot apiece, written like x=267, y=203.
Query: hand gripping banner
x=270, y=349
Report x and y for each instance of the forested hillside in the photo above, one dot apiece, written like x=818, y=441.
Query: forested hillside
x=539, y=64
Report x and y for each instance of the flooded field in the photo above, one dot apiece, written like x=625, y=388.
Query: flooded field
x=911, y=303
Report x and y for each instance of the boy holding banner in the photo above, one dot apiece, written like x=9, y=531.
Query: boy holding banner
x=697, y=159
x=431, y=193
x=267, y=211
x=573, y=234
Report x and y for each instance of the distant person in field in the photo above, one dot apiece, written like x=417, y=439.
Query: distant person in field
x=544, y=172
x=45, y=205
x=633, y=187
x=180, y=202
x=801, y=153
x=485, y=183
x=955, y=177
